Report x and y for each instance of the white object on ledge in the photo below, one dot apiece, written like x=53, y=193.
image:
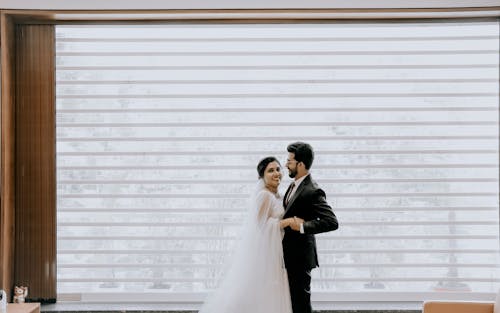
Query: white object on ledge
x=3, y=301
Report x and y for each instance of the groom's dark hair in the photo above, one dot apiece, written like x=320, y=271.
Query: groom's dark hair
x=261, y=167
x=303, y=153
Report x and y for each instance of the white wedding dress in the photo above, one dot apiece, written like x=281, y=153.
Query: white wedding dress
x=256, y=281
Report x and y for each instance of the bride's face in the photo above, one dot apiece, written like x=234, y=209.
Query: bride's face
x=272, y=174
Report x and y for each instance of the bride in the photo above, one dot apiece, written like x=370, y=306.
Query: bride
x=257, y=281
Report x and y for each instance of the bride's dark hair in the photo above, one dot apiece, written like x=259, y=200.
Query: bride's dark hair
x=261, y=167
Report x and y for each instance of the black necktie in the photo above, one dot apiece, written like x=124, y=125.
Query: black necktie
x=289, y=193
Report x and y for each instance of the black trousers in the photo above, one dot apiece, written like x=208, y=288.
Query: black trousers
x=299, y=280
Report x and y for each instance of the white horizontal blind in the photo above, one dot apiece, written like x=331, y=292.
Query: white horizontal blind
x=159, y=130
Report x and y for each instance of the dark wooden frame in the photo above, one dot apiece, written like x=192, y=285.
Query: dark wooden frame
x=28, y=184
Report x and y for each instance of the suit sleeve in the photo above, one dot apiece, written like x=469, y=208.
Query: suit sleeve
x=324, y=218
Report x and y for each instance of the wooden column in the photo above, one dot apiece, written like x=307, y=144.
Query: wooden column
x=35, y=182
x=7, y=154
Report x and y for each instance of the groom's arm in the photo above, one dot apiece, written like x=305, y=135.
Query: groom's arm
x=324, y=218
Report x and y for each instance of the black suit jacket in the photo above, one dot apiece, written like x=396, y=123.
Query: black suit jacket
x=308, y=203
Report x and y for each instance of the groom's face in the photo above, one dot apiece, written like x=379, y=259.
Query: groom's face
x=291, y=165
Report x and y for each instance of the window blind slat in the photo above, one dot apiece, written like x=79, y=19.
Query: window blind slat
x=342, y=279
x=359, y=251
x=353, y=75
x=228, y=238
x=388, y=45
x=203, y=265
x=240, y=209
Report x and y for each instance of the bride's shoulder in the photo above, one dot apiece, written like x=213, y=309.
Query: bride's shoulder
x=267, y=194
x=264, y=193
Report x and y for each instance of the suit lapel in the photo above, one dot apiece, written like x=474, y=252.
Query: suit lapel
x=301, y=187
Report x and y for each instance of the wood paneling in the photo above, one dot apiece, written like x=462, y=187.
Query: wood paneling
x=7, y=157
x=35, y=187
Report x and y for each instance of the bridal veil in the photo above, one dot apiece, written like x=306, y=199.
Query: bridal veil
x=256, y=280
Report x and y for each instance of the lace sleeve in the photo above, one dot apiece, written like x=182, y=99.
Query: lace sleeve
x=264, y=206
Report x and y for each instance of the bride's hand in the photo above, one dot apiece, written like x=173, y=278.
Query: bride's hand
x=286, y=222
x=297, y=221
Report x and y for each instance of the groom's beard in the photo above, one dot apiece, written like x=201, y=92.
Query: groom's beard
x=292, y=173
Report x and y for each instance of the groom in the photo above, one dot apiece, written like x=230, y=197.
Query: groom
x=306, y=203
